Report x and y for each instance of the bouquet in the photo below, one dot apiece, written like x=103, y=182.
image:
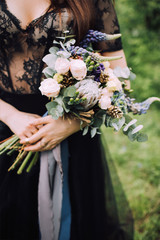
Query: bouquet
x=81, y=85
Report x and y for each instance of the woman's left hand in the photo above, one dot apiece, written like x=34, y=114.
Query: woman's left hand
x=50, y=134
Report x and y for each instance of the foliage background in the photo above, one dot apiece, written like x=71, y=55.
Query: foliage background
x=138, y=164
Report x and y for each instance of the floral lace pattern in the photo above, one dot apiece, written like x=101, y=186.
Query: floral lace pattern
x=22, y=50
x=107, y=22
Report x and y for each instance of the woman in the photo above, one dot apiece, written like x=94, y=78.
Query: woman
x=27, y=31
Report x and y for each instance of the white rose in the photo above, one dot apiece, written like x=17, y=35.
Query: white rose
x=107, y=93
x=106, y=65
x=104, y=102
x=118, y=84
x=111, y=86
x=78, y=69
x=114, y=85
x=108, y=71
x=62, y=65
x=49, y=87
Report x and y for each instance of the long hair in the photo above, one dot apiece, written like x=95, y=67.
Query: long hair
x=83, y=12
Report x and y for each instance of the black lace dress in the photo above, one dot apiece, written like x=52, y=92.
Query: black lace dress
x=93, y=205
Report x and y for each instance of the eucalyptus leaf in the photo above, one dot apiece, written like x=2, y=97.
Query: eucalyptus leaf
x=63, y=54
x=85, y=130
x=132, y=137
x=142, y=137
x=115, y=126
x=49, y=72
x=70, y=91
x=93, y=132
x=51, y=105
x=54, y=113
x=59, y=108
x=54, y=50
x=137, y=129
x=50, y=59
x=132, y=76
x=132, y=122
x=70, y=42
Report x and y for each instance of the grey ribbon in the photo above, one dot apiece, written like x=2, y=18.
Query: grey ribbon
x=50, y=194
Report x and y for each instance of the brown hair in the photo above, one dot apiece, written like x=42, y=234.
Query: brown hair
x=83, y=12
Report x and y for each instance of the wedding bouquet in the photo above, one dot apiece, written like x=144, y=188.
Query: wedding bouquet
x=81, y=85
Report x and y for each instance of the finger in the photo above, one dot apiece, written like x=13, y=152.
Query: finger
x=39, y=146
x=34, y=138
x=41, y=121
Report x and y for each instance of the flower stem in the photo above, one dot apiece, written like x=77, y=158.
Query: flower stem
x=33, y=162
x=19, y=158
x=20, y=170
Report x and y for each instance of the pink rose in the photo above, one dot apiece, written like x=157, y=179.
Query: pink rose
x=104, y=102
x=78, y=69
x=62, y=65
x=49, y=87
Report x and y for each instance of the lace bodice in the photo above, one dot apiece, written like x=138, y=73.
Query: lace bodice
x=22, y=50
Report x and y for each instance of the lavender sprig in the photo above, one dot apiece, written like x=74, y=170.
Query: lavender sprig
x=96, y=36
x=76, y=50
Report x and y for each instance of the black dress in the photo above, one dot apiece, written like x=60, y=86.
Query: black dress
x=93, y=204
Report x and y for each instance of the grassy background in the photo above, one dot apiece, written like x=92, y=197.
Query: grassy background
x=138, y=164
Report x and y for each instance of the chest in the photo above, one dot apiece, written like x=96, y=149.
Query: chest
x=27, y=11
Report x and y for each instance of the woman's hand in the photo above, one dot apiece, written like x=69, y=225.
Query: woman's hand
x=51, y=133
x=20, y=124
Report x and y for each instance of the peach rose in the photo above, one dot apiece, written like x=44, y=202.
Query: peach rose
x=62, y=65
x=104, y=102
x=49, y=87
x=78, y=69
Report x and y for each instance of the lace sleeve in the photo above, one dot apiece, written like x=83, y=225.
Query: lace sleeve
x=106, y=21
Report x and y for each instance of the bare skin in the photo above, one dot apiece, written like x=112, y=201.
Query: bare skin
x=41, y=133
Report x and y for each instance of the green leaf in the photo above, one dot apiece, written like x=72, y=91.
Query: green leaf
x=85, y=130
x=59, y=108
x=132, y=76
x=70, y=91
x=54, y=113
x=50, y=59
x=142, y=137
x=127, y=118
x=54, y=50
x=51, y=105
x=93, y=132
x=49, y=72
x=132, y=137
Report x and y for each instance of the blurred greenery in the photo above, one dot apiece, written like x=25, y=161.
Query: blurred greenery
x=138, y=164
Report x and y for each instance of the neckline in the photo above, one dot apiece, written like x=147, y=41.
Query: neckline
x=18, y=22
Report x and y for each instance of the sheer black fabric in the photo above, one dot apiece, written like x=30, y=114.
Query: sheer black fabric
x=22, y=50
x=94, y=206
x=106, y=21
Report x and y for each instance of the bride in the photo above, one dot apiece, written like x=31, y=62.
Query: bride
x=27, y=31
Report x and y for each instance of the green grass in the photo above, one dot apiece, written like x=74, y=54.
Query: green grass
x=138, y=167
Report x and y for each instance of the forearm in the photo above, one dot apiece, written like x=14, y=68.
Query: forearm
x=6, y=111
x=120, y=62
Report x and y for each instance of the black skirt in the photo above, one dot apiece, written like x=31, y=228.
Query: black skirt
x=92, y=184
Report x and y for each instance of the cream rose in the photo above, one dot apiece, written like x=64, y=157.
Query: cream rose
x=104, y=102
x=78, y=69
x=111, y=86
x=107, y=93
x=49, y=87
x=62, y=65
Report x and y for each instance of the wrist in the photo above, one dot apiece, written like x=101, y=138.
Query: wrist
x=7, y=112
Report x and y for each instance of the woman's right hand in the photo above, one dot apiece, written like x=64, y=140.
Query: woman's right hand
x=20, y=124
